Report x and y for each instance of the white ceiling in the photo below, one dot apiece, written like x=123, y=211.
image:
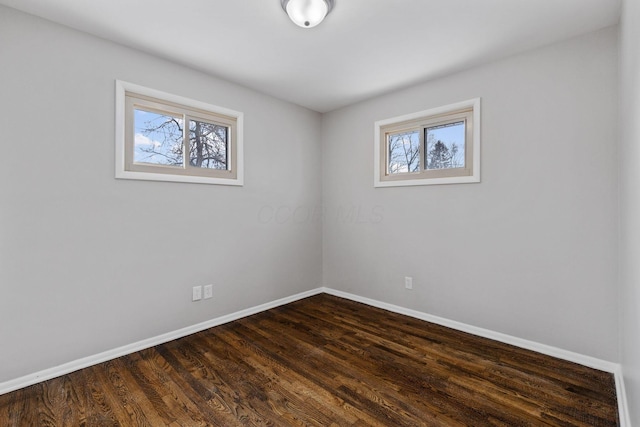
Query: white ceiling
x=364, y=47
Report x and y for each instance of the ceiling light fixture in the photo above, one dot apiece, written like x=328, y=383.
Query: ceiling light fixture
x=307, y=13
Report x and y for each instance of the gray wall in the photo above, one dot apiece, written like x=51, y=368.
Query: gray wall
x=630, y=205
x=89, y=263
x=531, y=251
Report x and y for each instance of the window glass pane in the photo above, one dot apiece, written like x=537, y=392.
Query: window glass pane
x=158, y=138
x=445, y=146
x=404, y=152
x=208, y=145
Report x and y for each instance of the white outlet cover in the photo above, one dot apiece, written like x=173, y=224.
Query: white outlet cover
x=408, y=282
x=208, y=291
x=197, y=293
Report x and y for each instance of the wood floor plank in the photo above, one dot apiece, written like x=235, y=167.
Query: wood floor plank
x=342, y=366
x=283, y=396
x=413, y=362
x=95, y=405
x=293, y=368
x=321, y=398
x=323, y=361
x=546, y=370
x=213, y=397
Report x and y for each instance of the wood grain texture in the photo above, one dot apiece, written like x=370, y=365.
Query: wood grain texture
x=322, y=361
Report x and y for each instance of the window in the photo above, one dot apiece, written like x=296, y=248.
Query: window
x=437, y=146
x=164, y=137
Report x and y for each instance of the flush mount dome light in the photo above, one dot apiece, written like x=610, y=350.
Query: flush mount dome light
x=307, y=13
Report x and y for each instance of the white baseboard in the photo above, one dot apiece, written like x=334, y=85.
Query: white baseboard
x=602, y=365
x=621, y=392
x=57, y=371
x=75, y=365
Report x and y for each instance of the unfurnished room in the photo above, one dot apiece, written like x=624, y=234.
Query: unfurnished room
x=320, y=213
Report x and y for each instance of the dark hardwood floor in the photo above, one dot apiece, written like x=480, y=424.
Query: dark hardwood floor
x=322, y=361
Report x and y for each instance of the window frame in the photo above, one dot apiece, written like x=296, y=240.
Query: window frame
x=130, y=97
x=467, y=111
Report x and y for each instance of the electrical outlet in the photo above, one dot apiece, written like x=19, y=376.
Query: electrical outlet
x=408, y=282
x=197, y=293
x=208, y=291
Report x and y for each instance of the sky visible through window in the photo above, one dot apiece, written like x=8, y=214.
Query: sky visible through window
x=445, y=149
x=208, y=145
x=445, y=146
x=404, y=152
x=158, y=138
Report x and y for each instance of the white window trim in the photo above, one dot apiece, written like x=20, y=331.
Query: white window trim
x=475, y=177
x=120, y=169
